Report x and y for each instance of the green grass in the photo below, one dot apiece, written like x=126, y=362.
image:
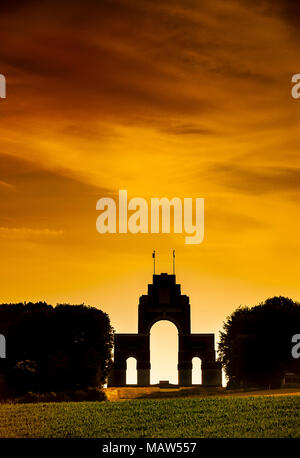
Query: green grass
x=217, y=417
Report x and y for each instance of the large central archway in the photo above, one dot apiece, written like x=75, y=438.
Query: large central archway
x=164, y=352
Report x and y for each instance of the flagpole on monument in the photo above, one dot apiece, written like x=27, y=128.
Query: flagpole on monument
x=173, y=262
x=153, y=256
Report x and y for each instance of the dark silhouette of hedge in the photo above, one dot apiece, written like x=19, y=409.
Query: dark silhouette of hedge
x=255, y=344
x=55, y=348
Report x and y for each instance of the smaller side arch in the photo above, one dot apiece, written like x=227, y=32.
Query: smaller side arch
x=196, y=370
x=126, y=346
x=131, y=371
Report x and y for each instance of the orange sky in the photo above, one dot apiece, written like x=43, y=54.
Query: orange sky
x=169, y=98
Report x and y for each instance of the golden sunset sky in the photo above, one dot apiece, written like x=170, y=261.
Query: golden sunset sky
x=161, y=98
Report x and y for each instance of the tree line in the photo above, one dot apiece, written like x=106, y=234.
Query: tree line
x=68, y=347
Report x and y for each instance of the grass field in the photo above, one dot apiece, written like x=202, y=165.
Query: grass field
x=217, y=417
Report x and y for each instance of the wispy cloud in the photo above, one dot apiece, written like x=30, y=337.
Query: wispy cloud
x=26, y=233
x=6, y=185
x=259, y=180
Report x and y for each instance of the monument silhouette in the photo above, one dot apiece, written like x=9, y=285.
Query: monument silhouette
x=164, y=301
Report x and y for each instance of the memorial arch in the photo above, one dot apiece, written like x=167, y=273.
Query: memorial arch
x=164, y=301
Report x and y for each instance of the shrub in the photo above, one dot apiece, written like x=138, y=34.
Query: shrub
x=83, y=395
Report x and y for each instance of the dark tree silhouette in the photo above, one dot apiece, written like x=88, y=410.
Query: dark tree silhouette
x=255, y=344
x=55, y=348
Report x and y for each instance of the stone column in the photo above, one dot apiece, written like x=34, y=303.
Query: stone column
x=143, y=373
x=185, y=373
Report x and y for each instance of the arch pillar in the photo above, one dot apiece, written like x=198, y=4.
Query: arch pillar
x=143, y=373
x=185, y=373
